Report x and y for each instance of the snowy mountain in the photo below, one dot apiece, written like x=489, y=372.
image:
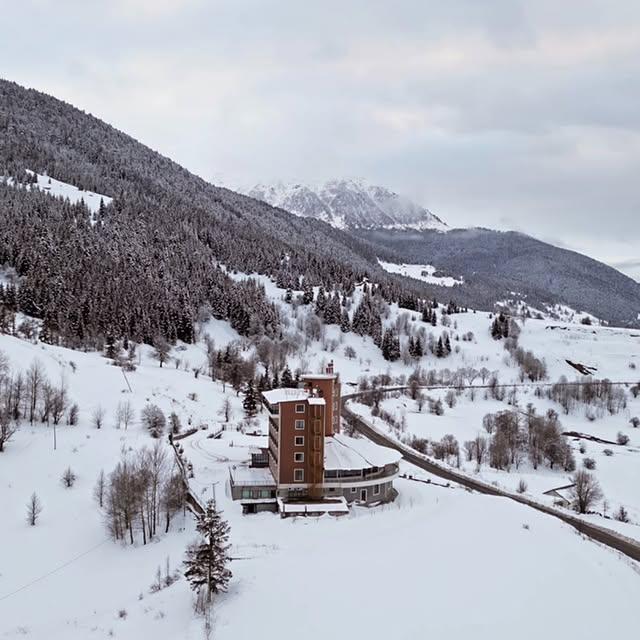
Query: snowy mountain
x=349, y=204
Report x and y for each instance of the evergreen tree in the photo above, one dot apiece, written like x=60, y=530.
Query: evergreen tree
x=447, y=344
x=263, y=384
x=321, y=301
x=390, y=345
x=440, y=353
x=307, y=292
x=345, y=323
x=287, y=378
x=288, y=296
x=250, y=403
x=111, y=351
x=207, y=559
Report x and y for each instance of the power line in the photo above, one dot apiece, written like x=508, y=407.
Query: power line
x=50, y=573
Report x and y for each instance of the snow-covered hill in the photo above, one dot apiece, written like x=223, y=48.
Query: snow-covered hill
x=349, y=204
x=65, y=579
x=385, y=553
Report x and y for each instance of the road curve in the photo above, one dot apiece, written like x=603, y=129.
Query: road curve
x=627, y=546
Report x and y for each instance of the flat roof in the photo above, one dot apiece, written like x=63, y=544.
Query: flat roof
x=330, y=505
x=319, y=376
x=350, y=454
x=275, y=396
x=251, y=476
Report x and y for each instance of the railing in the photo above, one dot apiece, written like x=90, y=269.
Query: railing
x=250, y=483
x=386, y=472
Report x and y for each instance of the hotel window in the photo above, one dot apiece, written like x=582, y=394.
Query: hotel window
x=299, y=441
x=298, y=475
x=376, y=489
x=298, y=457
x=299, y=408
x=299, y=424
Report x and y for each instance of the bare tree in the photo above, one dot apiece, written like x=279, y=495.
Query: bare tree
x=162, y=349
x=586, y=491
x=72, y=415
x=480, y=447
x=469, y=447
x=226, y=410
x=97, y=417
x=34, y=509
x=35, y=379
x=7, y=428
x=58, y=404
x=126, y=413
x=99, y=489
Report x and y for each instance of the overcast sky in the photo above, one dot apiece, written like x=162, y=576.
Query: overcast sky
x=500, y=113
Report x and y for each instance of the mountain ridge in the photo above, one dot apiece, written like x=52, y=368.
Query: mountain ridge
x=347, y=203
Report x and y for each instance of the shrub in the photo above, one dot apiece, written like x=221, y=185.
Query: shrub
x=608, y=452
x=154, y=420
x=174, y=421
x=622, y=515
x=582, y=448
x=522, y=486
x=622, y=438
x=589, y=463
x=68, y=478
x=635, y=422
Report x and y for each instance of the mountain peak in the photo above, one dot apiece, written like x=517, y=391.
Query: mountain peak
x=349, y=203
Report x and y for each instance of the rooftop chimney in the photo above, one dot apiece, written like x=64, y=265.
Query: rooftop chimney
x=329, y=368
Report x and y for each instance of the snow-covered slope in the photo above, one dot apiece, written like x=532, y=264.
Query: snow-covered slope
x=349, y=204
x=70, y=192
x=424, y=272
x=64, y=579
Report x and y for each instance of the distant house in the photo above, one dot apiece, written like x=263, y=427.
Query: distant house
x=312, y=467
x=561, y=495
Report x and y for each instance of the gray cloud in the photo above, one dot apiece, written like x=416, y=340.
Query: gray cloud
x=503, y=113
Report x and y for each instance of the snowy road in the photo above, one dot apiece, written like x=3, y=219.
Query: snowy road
x=627, y=546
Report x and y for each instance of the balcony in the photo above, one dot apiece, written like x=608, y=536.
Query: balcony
x=342, y=476
x=274, y=421
x=272, y=409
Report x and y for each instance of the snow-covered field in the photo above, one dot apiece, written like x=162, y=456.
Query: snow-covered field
x=424, y=272
x=619, y=474
x=438, y=562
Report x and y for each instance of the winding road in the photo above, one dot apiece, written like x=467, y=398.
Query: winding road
x=627, y=546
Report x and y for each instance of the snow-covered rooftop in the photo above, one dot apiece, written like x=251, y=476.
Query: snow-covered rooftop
x=333, y=505
x=256, y=476
x=319, y=376
x=344, y=453
x=275, y=396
